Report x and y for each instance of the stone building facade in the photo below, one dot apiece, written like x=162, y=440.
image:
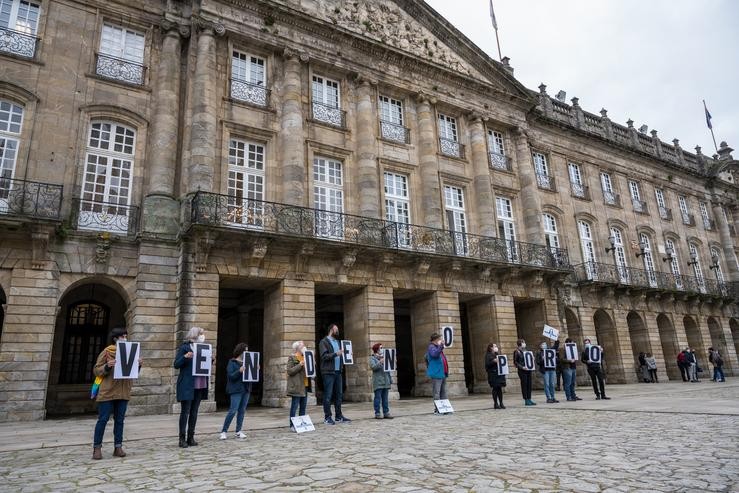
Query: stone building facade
x=264, y=168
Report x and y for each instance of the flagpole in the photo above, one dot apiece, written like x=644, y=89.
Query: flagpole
x=500, y=57
x=710, y=127
x=495, y=26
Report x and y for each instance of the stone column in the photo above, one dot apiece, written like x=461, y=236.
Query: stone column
x=369, y=186
x=203, y=128
x=483, y=190
x=727, y=243
x=530, y=204
x=429, y=164
x=161, y=209
x=291, y=138
x=483, y=329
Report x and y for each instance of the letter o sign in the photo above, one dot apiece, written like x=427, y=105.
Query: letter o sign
x=448, y=334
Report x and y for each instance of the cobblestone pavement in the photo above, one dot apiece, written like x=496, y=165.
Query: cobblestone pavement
x=690, y=444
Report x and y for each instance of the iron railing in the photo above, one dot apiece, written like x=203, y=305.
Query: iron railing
x=639, y=206
x=688, y=219
x=330, y=115
x=499, y=161
x=18, y=43
x=665, y=213
x=709, y=224
x=546, y=182
x=216, y=210
x=249, y=92
x=394, y=132
x=119, y=69
x=92, y=215
x=452, y=148
x=580, y=191
x=611, y=198
x=30, y=198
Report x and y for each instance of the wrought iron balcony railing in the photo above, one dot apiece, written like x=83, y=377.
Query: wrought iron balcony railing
x=499, y=161
x=709, y=224
x=119, y=69
x=610, y=198
x=452, y=148
x=688, y=219
x=732, y=230
x=639, y=206
x=546, y=182
x=30, y=199
x=330, y=115
x=91, y=215
x=18, y=43
x=665, y=213
x=394, y=132
x=580, y=191
x=249, y=92
x=210, y=209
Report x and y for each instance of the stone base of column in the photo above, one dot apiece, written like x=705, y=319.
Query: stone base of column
x=208, y=406
x=358, y=396
x=160, y=216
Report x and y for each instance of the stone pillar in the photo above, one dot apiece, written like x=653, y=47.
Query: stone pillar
x=203, y=128
x=727, y=243
x=161, y=209
x=483, y=191
x=483, y=330
x=25, y=352
x=369, y=185
x=620, y=367
x=655, y=344
x=291, y=138
x=153, y=321
x=530, y=205
x=729, y=353
x=289, y=316
x=429, y=164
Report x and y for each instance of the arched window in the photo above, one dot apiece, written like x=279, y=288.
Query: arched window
x=648, y=259
x=619, y=255
x=550, y=231
x=11, y=122
x=84, y=339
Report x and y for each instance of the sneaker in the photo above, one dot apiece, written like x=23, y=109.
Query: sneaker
x=387, y=416
x=343, y=419
x=555, y=401
x=223, y=436
x=577, y=398
x=502, y=406
x=329, y=421
x=377, y=416
x=240, y=434
x=606, y=398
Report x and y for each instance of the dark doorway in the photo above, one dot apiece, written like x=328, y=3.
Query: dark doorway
x=404, y=347
x=469, y=377
x=329, y=310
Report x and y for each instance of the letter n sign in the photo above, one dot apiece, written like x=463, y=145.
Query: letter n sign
x=389, y=362
x=251, y=367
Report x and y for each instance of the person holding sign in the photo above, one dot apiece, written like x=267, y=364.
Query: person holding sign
x=593, y=356
x=381, y=382
x=331, y=365
x=112, y=396
x=191, y=389
x=569, y=370
x=238, y=391
x=297, y=381
x=547, y=360
x=524, y=361
x=496, y=379
x=438, y=368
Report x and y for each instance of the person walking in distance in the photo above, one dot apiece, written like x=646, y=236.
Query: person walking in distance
x=523, y=374
x=595, y=370
x=438, y=368
x=331, y=366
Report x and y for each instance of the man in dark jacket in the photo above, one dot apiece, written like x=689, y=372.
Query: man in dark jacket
x=595, y=370
x=683, y=366
x=692, y=364
x=331, y=364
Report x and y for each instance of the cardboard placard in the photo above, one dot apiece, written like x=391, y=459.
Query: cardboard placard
x=550, y=332
x=444, y=406
x=348, y=355
x=502, y=364
x=310, y=363
x=202, y=359
x=301, y=424
x=571, y=351
x=529, y=363
x=595, y=354
x=550, y=359
x=251, y=366
x=126, y=360
x=447, y=333
x=389, y=361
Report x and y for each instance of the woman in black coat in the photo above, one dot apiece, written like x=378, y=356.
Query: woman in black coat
x=190, y=389
x=496, y=381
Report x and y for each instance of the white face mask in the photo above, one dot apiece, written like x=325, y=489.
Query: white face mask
x=201, y=338
x=523, y=345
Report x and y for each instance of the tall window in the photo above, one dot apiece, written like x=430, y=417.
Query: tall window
x=447, y=127
x=248, y=78
x=697, y=271
x=121, y=54
x=496, y=150
x=391, y=120
x=674, y=262
x=454, y=204
x=588, y=248
x=716, y=257
x=18, y=27
x=607, y=185
x=506, y=225
x=84, y=339
x=619, y=255
x=659, y=195
x=551, y=236
x=707, y=223
x=326, y=101
x=397, y=206
x=11, y=122
x=648, y=260
x=684, y=209
x=106, y=185
x=576, y=182
x=636, y=196
x=328, y=197
x=245, y=183
x=541, y=167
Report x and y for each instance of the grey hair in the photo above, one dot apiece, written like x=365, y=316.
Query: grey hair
x=193, y=334
x=296, y=345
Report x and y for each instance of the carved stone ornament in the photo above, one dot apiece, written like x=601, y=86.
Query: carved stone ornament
x=450, y=273
x=39, y=247
x=256, y=255
x=381, y=269
x=422, y=267
x=204, y=242
x=102, y=248
x=167, y=26
x=204, y=25
x=302, y=256
x=348, y=259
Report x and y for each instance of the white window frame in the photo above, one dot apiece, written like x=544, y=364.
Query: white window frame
x=576, y=181
x=703, y=207
x=496, y=142
x=130, y=45
x=246, y=183
x=507, y=226
x=391, y=110
x=648, y=259
x=321, y=91
x=328, y=197
x=619, y=253
x=249, y=68
x=659, y=195
x=448, y=128
x=456, y=217
x=551, y=235
x=682, y=202
x=541, y=170
x=11, y=127
x=25, y=25
x=397, y=205
x=719, y=271
x=697, y=270
x=587, y=247
x=606, y=183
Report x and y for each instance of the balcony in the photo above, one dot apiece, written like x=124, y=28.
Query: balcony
x=499, y=161
x=119, y=69
x=732, y=230
x=91, y=215
x=665, y=213
x=639, y=206
x=610, y=198
x=250, y=93
x=545, y=182
x=281, y=220
x=393, y=132
x=709, y=224
x=17, y=43
x=451, y=148
x=580, y=191
x=688, y=219
x=329, y=115
x=30, y=199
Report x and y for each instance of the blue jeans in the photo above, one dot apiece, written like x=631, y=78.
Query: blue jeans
x=105, y=408
x=298, y=402
x=239, y=401
x=332, y=389
x=570, y=377
x=718, y=373
x=550, y=378
x=381, y=396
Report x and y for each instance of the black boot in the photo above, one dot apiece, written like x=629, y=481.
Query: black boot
x=183, y=442
x=191, y=441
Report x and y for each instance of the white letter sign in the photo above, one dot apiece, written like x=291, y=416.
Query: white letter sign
x=571, y=351
x=251, y=367
x=444, y=406
x=550, y=359
x=348, y=355
x=594, y=354
x=301, y=424
x=550, y=332
x=310, y=364
x=202, y=360
x=126, y=360
x=502, y=364
x=448, y=334
x=389, y=362
x=528, y=361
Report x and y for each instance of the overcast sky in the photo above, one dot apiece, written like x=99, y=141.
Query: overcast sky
x=649, y=60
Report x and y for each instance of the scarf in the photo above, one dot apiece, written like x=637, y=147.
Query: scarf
x=110, y=350
x=446, y=364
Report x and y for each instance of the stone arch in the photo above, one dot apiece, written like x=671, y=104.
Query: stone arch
x=88, y=310
x=670, y=345
x=695, y=340
x=607, y=337
x=718, y=341
x=639, y=335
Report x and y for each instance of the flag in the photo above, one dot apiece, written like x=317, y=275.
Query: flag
x=492, y=16
x=708, y=115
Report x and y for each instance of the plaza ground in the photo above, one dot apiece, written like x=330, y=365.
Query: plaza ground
x=664, y=437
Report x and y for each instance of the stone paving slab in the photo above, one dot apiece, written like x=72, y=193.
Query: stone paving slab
x=658, y=438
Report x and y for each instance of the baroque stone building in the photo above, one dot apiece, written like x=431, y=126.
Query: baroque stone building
x=263, y=168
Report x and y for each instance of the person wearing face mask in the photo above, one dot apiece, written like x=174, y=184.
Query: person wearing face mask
x=190, y=389
x=549, y=374
x=495, y=380
x=569, y=373
x=297, y=382
x=238, y=391
x=595, y=370
x=331, y=365
x=381, y=382
x=523, y=374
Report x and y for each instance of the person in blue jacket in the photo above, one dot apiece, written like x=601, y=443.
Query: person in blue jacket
x=238, y=391
x=438, y=368
x=190, y=389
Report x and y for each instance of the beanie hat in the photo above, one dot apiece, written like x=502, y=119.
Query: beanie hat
x=376, y=347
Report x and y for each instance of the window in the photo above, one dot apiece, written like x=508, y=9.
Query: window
x=397, y=206
x=245, y=183
x=716, y=264
x=695, y=261
x=11, y=122
x=326, y=101
x=576, y=182
x=707, y=222
x=639, y=205
x=121, y=54
x=541, y=167
x=391, y=120
x=684, y=210
x=106, y=185
x=328, y=197
x=454, y=204
x=648, y=260
x=447, y=128
x=664, y=212
x=506, y=226
x=674, y=262
x=550, y=231
x=496, y=151
x=18, y=26
x=588, y=249
x=84, y=339
x=619, y=255
x=248, y=78
x=606, y=184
